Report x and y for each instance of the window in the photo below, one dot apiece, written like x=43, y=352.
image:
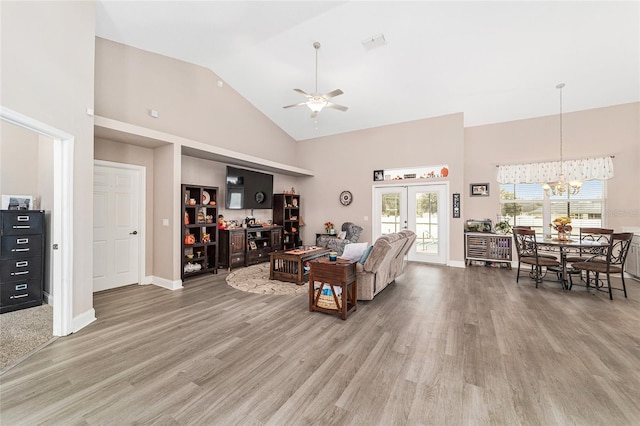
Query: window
x=525, y=204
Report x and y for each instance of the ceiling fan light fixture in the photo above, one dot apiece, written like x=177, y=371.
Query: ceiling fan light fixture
x=317, y=103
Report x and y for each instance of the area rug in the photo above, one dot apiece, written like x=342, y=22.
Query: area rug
x=255, y=279
x=23, y=332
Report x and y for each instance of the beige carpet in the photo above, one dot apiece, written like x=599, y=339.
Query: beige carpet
x=22, y=332
x=255, y=279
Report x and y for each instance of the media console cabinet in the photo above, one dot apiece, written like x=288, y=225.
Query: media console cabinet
x=248, y=246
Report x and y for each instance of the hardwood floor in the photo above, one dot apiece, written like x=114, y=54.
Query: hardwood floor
x=440, y=346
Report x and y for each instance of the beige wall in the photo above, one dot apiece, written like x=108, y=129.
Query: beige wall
x=347, y=161
x=47, y=64
x=591, y=133
x=19, y=159
x=130, y=82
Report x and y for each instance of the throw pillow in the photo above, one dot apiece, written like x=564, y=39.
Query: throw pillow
x=354, y=251
x=365, y=255
x=342, y=235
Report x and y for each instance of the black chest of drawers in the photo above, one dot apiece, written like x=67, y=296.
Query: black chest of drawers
x=22, y=240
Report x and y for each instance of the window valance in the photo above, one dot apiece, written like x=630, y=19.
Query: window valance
x=586, y=169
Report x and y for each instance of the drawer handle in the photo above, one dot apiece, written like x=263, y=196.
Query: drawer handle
x=22, y=264
x=21, y=226
x=19, y=273
x=21, y=287
x=19, y=296
x=23, y=218
x=22, y=241
x=24, y=249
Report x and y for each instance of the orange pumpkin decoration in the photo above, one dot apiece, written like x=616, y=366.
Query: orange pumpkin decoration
x=189, y=239
x=444, y=172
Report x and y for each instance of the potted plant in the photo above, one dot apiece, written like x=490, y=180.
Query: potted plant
x=503, y=227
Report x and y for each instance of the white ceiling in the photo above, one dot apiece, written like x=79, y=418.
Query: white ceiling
x=493, y=61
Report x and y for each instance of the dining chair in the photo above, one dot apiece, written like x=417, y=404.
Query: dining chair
x=611, y=263
x=548, y=256
x=527, y=249
x=590, y=234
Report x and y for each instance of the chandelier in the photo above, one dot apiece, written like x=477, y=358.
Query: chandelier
x=561, y=185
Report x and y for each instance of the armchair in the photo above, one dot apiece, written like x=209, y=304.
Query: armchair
x=336, y=244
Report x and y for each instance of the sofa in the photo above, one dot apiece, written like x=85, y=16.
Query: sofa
x=336, y=244
x=385, y=262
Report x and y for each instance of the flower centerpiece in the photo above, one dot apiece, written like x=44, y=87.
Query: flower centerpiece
x=563, y=226
x=328, y=227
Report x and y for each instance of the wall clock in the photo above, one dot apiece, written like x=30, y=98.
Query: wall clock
x=346, y=198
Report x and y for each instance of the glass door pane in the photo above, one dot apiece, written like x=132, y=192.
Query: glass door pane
x=428, y=219
x=390, y=211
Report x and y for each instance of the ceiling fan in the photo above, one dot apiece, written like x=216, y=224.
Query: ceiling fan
x=315, y=101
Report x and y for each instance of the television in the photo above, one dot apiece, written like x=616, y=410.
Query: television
x=248, y=189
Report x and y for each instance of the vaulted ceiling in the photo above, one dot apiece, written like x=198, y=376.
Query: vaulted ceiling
x=493, y=61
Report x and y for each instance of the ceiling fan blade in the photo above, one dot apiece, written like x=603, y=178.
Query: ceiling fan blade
x=336, y=106
x=332, y=94
x=294, y=105
x=302, y=92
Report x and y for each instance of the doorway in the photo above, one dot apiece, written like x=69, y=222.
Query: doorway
x=60, y=248
x=422, y=209
x=118, y=224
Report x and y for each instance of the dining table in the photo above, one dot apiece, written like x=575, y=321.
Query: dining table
x=563, y=247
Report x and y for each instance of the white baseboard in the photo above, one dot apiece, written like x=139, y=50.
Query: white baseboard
x=147, y=280
x=48, y=299
x=165, y=283
x=456, y=264
x=83, y=320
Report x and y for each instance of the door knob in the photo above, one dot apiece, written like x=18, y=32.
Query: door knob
x=133, y=233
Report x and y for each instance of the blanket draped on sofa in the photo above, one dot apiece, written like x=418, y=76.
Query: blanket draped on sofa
x=336, y=244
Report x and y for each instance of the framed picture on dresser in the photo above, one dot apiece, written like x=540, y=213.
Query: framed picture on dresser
x=17, y=202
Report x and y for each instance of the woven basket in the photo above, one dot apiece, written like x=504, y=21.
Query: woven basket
x=328, y=302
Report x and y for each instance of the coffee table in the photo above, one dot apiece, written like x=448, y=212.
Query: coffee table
x=289, y=265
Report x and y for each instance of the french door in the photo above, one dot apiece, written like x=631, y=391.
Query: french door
x=421, y=208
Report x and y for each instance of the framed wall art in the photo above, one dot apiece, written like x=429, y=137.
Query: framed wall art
x=456, y=205
x=378, y=175
x=480, y=189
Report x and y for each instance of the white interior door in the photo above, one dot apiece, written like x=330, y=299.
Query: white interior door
x=420, y=208
x=116, y=226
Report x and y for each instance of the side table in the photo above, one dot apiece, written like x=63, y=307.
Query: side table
x=339, y=274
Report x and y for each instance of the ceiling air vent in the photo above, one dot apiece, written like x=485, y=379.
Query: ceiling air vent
x=374, y=41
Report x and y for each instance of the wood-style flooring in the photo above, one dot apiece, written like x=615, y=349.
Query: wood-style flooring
x=440, y=346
